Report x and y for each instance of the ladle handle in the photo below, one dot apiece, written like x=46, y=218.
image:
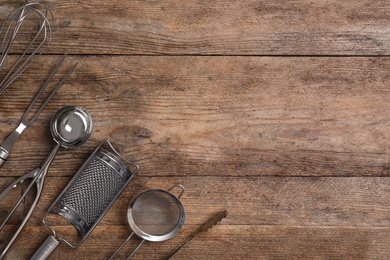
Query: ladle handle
x=46, y=248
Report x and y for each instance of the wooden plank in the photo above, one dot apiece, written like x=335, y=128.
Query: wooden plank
x=230, y=27
x=223, y=242
x=216, y=116
x=275, y=111
x=299, y=201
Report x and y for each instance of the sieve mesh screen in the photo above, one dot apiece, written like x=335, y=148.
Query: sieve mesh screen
x=156, y=212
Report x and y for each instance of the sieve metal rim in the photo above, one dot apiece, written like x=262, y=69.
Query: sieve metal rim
x=154, y=238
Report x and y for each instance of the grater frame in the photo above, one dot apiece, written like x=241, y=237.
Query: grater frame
x=84, y=233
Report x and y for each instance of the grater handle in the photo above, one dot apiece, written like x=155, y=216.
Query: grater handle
x=46, y=248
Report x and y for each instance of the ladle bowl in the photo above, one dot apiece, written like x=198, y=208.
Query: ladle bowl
x=71, y=126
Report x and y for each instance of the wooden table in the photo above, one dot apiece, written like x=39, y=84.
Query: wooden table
x=277, y=111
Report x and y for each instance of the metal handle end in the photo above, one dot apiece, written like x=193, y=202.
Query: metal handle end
x=46, y=249
x=2, y=161
x=3, y=156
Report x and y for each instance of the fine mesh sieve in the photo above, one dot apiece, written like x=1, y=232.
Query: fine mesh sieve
x=154, y=215
x=88, y=196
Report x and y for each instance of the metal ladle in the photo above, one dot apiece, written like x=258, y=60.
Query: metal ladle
x=70, y=126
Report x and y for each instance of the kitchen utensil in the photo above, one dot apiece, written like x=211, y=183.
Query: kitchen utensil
x=154, y=215
x=37, y=43
x=70, y=126
x=9, y=142
x=209, y=224
x=88, y=196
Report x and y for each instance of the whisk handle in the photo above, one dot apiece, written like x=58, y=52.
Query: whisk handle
x=46, y=248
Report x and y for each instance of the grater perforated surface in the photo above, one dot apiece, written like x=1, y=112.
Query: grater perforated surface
x=93, y=190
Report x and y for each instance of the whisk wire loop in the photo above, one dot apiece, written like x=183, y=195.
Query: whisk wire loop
x=9, y=31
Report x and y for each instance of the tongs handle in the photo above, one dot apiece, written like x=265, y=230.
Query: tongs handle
x=17, y=182
x=38, y=177
x=34, y=174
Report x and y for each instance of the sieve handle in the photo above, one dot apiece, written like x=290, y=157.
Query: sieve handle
x=177, y=186
x=124, y=243
x=121, y=246
x=135, y=250
x=46, y=248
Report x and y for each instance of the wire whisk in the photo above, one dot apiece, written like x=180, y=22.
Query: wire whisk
x=35, y=11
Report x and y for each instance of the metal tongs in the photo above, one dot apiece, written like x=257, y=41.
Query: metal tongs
x=36, y=175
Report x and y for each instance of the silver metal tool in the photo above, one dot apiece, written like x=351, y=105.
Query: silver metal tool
x=154, y=215
x=88, y=196
x=35, y=45
x=209, y=224
x=70, y=126
x=9, y=142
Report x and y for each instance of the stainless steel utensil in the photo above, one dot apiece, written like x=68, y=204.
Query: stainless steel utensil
x=9, y=142
x=88, y=196
x=209, y=224
x=38, y=43
x=154, y=215
x=70, y=126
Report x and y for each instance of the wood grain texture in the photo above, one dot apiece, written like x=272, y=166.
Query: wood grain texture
x=276, y=111
x=238, y=242
x=230, y=116
x=226, y=27
x=297, y=201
